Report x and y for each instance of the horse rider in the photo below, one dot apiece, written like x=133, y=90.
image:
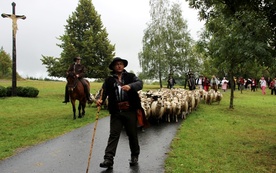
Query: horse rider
x=79, y=70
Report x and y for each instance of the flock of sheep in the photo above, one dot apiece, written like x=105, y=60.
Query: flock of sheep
x=171, y=104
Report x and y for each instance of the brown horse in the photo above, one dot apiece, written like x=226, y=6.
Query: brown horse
x=76, y=92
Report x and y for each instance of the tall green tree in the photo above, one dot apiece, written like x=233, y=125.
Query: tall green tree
x=5, y=64
x=237, y=35
x=152, y=58
x=166, y=42
x=180, y=56
x=86, y=37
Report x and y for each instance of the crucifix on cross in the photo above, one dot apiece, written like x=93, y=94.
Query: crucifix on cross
x=14, y=18
x=14, y=27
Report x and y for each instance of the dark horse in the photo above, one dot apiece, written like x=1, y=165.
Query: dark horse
x=76, y=92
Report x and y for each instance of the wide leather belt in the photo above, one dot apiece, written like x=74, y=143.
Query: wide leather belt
x=123, y=105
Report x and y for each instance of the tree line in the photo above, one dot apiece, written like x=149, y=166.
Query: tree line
x=238, y=40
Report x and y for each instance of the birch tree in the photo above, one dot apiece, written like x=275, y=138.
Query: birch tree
x=166, y=42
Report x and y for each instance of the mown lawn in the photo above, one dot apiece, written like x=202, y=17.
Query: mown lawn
x=29, y=121
x=218, y=139
x=212, y=139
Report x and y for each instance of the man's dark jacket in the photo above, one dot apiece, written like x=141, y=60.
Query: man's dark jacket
x=77, y=69
x=110, y=86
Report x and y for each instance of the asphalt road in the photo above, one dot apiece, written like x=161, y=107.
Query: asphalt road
x=69, y=153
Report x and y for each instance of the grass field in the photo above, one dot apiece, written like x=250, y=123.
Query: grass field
x=212, y=138
x=29, y=121
x=217, y=139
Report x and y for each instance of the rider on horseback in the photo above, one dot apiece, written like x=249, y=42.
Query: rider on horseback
x=79, y=70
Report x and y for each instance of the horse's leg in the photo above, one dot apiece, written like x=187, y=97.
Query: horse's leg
x=79, y=108
x=74, y=108
x=83, y=107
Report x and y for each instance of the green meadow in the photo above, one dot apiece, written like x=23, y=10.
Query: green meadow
x=213, y=138
x=216, y=139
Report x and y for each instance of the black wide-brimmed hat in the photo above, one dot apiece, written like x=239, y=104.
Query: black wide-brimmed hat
x=115, y=60
x=75, y=59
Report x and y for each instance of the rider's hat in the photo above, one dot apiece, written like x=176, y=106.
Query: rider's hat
x=77, y=58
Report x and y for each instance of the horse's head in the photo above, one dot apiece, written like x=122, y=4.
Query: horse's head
x=71, y=81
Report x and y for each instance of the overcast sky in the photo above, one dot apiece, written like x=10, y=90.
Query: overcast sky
x=125, y=21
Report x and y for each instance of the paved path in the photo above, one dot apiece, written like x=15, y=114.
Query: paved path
x=69, y=153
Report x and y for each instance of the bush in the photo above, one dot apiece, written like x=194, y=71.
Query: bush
x=32, y=92
x=9, y=91
x=24, y=91
x=20, y=91
x=3, y=91
x=27, y=91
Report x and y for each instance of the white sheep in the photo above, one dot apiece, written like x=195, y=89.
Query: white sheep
x=184, y=108
x=157, y=109
x=176, y=109
x=167, y=110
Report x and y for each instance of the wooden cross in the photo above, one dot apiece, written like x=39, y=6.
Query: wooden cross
x=14, y=28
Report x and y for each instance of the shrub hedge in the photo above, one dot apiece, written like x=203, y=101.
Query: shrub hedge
x=21, y=91
x=3, y=91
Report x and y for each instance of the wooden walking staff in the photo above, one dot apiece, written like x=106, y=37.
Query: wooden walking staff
x=94, y=132
x=14, y=29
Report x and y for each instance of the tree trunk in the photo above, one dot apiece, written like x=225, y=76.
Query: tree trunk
x=232, y=82
x=160, y=79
